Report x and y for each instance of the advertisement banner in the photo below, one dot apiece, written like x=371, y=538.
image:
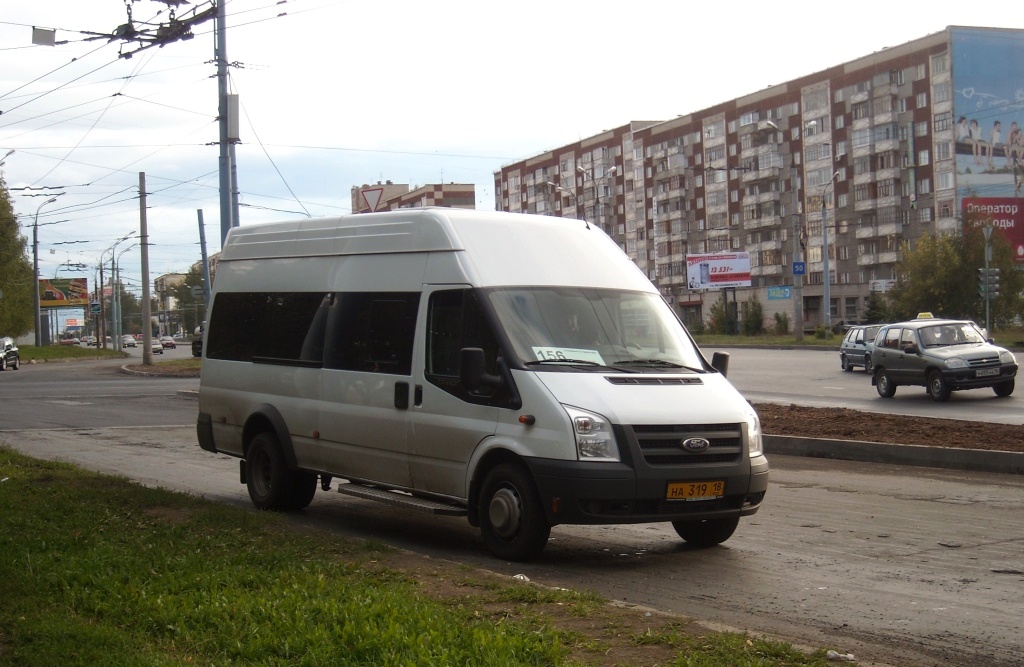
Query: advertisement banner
x=779, y=293
x=63, y=292
x=1005, y=214
x=718, y=270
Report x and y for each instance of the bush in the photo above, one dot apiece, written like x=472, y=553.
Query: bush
x=781, y=324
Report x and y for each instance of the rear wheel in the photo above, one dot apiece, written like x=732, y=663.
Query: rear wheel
x=303, y=490
x=937, y=387
x=512, y=520
x=272, y=486
x=867, y=363
x=845, y=361
x=706, y=533
x=3, y=363
x=1003, y=388
x=884, y=384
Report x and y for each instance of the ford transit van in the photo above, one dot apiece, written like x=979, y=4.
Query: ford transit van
x=518, y=370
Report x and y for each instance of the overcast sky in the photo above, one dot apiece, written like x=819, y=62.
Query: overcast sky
x=337, y=94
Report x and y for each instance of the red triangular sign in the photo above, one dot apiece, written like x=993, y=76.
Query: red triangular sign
x=372, y=198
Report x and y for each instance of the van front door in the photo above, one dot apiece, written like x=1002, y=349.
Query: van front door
x=447, y=423
x=367, y=385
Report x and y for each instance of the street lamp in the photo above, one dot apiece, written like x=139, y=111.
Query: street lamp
x=827, y=281
x=115, y=271
x=101, y=330
x=35, y=271
x=575, y=201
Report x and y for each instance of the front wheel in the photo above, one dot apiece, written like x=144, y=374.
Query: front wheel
x=937, y=387
x=512, y=520
x=884, y=384
x=706, y=533
x=1003, y=389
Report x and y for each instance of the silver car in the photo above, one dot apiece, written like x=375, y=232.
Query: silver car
x=855, y=350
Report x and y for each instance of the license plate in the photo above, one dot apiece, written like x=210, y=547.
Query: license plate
x=704, y=490
x=985, y=372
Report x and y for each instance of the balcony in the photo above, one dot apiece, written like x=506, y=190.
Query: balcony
x=875, y=231
x=769, y=270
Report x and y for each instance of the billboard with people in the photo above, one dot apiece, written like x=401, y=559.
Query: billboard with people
x=988, y=108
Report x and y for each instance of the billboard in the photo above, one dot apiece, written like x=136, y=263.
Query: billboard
x=988, y=112
x=718, y=270
x=63, y=292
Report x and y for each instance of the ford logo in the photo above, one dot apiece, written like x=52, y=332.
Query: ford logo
x=696, y=444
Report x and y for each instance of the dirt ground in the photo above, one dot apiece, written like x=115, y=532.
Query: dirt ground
x=844, y=424
x=834, y=423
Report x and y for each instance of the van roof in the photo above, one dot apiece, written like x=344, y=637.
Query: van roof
x=500, y=248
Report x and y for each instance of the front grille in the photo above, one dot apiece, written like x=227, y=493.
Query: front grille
x=662, y=445
x=984, y=362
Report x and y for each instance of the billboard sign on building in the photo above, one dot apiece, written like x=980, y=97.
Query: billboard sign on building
x=718, y=270
x=63, y=292
x=988, y=128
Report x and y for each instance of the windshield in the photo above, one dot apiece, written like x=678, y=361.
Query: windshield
x=955, y=333
x=599, y=328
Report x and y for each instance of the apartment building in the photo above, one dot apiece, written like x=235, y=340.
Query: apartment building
x=837, y=169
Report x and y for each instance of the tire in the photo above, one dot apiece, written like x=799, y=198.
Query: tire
x=867, y=363
x=938, y=389
x=303, y=490
x=17, y=364
x=845, y=363
x=1003, y=389
x=707, y=533
x=267, y=477
x=884, y=384
x=3, y=363
x=512, y=520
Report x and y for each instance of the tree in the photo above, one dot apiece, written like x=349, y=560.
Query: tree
x=189, y=307
x=874, y=309
x=17, y=314
x=939, y=276
x=753, y=321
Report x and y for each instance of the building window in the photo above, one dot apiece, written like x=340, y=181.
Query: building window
x=944, y=150
x=923, y=158
x=925, y=214
x=939, y=64
x=922, y=100
x=943, y=121
x=921, y=129
x=941, y=92
x=944, y=180
x=924, y=186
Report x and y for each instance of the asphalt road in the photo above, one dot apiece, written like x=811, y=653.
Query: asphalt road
x=900, y=566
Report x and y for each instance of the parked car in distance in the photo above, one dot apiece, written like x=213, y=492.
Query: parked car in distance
x=9, y=358
x=156, y=346
x=168, y=342
x=855, y=350
x=88, y=340
x=128, y=341
x=941, y=355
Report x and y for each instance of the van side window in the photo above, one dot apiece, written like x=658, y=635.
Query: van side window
x=278, y=327
x=455, y=320
x=372, y=332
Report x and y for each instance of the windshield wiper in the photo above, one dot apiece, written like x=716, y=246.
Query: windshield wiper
x=657, y=363
x=573, y=362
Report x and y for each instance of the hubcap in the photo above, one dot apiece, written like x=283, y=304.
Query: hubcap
x=504, y=512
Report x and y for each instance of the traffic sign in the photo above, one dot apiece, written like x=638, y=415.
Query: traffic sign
x=799, y=268
x=94, y=308
x=197, y=291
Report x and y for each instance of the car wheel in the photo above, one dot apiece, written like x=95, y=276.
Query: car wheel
x=512, y=520
x=3, y=363
x=16, y=364
x=1003, y=388
x=937, y=387
x=267, y=477
x=303, y=490
x=867, y=363
x=706, y=533
x=845, y=362
x=884, y=384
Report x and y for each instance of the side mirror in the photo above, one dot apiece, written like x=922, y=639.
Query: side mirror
x=473, y=371
x=720, y=362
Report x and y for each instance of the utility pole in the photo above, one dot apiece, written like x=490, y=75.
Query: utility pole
x=147, y=311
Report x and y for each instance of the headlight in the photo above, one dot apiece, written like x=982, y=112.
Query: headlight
x=594, y=438
x=755, y=446
x=1006, y=357
x=956, y=362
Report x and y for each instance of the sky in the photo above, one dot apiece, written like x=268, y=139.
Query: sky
x=336, y=94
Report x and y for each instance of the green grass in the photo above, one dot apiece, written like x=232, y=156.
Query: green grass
x=54, y=352
x=98, y=570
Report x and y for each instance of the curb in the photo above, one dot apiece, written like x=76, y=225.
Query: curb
x=976, y=460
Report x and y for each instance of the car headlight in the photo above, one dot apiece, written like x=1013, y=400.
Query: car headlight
x=594, y=438
x=956, y=362
x=755, y=445
x=1006, y=357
